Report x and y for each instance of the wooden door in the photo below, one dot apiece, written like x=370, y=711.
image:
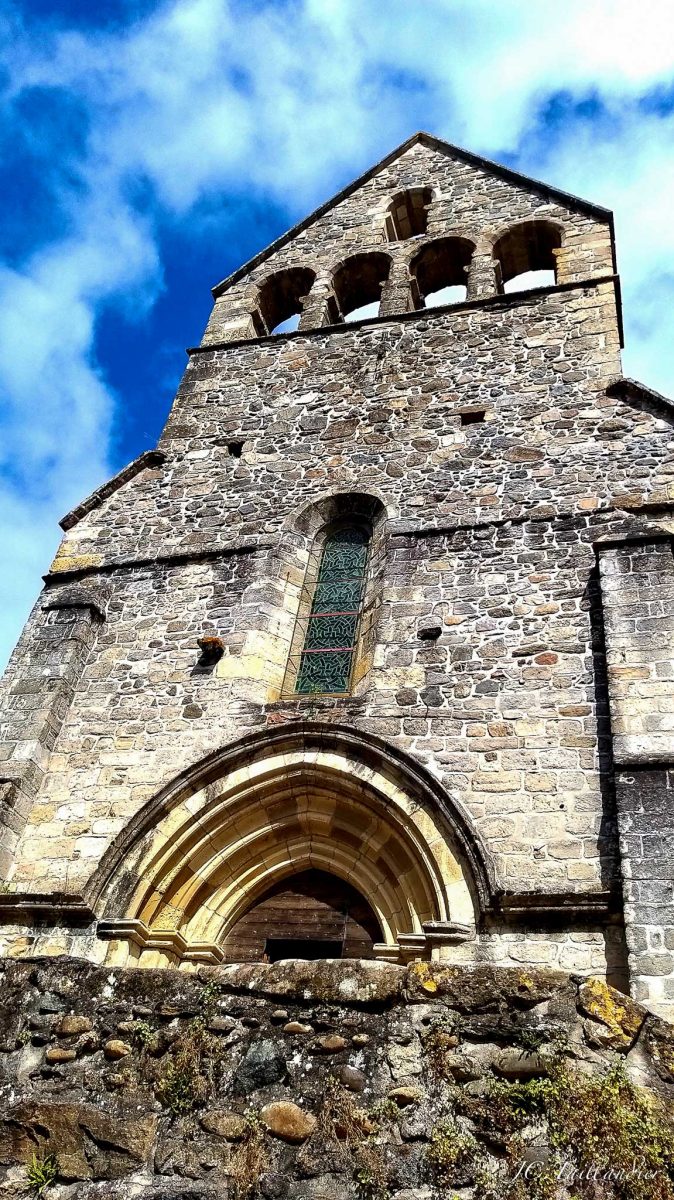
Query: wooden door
x=310, y=915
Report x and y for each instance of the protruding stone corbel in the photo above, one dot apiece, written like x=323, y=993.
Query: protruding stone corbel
x=77, y=596
x=412, y=947
x=212, y=650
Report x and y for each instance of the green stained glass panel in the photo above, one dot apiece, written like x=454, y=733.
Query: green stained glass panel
x=324, y=672
x=333, y=631
x=332, y=625
x=337, y=594
x=344, y=554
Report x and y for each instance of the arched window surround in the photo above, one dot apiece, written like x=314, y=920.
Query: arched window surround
x=364, y=515
x=331, y=606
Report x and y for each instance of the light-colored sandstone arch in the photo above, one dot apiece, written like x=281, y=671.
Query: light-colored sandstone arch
x=208, y=848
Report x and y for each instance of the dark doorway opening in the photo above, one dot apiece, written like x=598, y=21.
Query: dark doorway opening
x=309, y=915
x=277, y=948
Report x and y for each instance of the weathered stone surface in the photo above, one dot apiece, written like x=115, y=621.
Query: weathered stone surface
x=297, y=1027
x=485, y=989
x=87, y=1142
x=181, y=1155
x=340, y=982
x=69, y=1025
x=616, y=1020
x=518, y=1064
x=404, y=1058
x=181, y=1112
x=460, y=1067
x=352, y=1078
x=330, y=1043
x=263, y=1064
x=324, y=1187
x=114, y=1049
x=405, y=1095
x=220, y=1024
x=59, y=1054
x=288, y=1121
x=226, y=1125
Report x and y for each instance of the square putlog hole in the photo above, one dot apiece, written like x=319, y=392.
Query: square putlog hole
x=473, y=416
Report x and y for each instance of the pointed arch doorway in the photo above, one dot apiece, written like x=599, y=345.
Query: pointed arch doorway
x=231, y=834
x=312, y=914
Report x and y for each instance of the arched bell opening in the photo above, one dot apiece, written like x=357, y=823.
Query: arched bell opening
x=526, y=255
x=312, y=914
x=440, y=271
x=358, y=285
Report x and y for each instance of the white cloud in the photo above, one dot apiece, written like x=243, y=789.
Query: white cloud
x=206, y=98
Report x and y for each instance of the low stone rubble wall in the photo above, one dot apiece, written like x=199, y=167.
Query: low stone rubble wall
x=320, y=1081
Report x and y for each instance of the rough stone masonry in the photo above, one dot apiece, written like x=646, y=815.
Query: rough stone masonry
x=479, y=752
x=329, y=1081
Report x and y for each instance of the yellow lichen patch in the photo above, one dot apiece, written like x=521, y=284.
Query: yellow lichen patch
x=422, y=973
x=65, y=562
x=526, y=982
x=617, y=1013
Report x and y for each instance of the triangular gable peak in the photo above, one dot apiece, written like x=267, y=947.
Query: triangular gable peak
x=426, y=218
x=483, y=166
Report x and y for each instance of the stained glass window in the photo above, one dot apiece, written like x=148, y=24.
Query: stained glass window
x=327, y=656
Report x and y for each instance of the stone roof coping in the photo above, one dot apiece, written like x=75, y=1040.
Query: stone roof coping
x=149, y=458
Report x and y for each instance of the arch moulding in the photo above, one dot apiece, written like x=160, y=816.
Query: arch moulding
x=276, y=803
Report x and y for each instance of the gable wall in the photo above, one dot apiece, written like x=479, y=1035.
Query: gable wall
x=467, y=202
x=491, y=525
x=505, y=707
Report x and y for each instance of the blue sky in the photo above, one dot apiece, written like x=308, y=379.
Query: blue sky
x=149, y=148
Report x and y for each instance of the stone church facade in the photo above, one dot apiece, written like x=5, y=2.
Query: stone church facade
x=373, y=656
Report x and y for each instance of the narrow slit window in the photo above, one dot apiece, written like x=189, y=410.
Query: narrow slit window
x=331, y=637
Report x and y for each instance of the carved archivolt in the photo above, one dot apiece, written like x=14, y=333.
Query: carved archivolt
x=296, y=803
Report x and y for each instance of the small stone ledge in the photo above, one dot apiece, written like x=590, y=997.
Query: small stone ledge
x=76, y=597
x=171, y=942
x=501, y=300
x=565, y=908
x=361, y=982
x=624, y=529
x=197, y=554
x=625, y=387
x=60, y=909
x=167, y=941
